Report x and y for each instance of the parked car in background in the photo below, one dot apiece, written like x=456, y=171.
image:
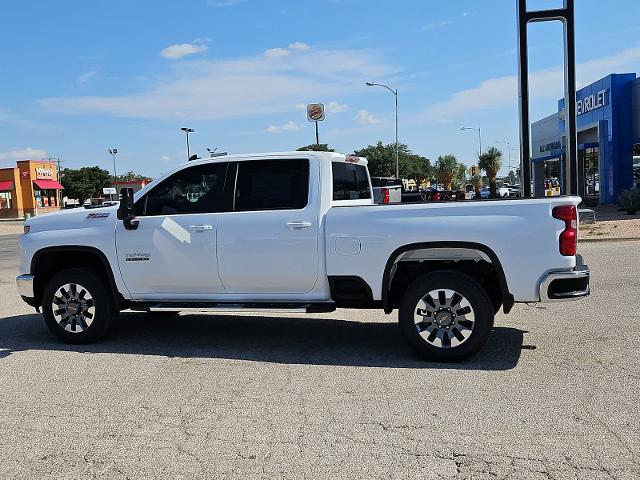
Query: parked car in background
x=503, y=192
x=387, y=189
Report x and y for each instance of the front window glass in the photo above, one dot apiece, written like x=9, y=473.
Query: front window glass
x=5, y=200
x=192, y=190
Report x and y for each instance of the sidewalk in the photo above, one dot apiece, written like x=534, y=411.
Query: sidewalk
x=11, y=227
x=611, y=224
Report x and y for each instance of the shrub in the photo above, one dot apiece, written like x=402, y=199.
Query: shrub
x=630, y=200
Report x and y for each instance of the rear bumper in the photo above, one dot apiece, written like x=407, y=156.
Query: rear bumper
x=566, y=285
x=25, y=288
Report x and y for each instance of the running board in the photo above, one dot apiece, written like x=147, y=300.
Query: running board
x=212, y=307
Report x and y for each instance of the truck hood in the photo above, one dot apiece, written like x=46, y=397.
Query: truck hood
x=73, y=219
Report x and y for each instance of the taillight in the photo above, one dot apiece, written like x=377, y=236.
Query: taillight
x=435, y=197
x=569, y=237
x=385, y=195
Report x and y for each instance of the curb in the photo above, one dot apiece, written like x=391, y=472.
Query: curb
x=608, y=239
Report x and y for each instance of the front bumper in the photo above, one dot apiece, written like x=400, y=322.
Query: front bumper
x=25, y=288
x=566, y=285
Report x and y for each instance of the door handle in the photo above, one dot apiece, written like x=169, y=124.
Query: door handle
x=200, y=228
x=298, y=225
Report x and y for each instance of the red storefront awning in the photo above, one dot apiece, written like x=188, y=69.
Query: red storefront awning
x=6, y=186
x=48, y=185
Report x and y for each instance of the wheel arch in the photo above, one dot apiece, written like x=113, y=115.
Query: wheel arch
x=77, y=256
x=478, y=248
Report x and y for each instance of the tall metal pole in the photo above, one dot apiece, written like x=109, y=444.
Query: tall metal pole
x=480, y=139
x=397, y=145
x=187, y=131
x=395, y=92
x=567, y=17
x=317, y=135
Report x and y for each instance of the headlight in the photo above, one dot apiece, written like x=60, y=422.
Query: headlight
x=26, y=229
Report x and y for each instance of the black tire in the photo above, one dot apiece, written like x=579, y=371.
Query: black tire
x=97, y=321
x=472, y=339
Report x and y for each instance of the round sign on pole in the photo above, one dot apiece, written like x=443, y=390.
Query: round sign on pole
x=315, y=112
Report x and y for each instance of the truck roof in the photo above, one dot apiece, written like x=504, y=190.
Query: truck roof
x=322, y=156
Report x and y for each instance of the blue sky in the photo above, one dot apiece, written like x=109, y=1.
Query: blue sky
x=79, y=77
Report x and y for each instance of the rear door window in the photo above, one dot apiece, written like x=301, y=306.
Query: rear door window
x=272, y=185
x=350, y=181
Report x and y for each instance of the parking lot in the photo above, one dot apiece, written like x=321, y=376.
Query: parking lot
x=554, y=394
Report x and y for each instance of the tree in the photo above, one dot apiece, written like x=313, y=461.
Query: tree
x=491, y=162
x=476, y=181
x=446, y=170
x=86, y=182
x=382, y=162
x=131, y=177
x=461, y=174
x=512, y=178
x=316, y=147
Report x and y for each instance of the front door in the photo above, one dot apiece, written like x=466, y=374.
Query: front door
x=172, y=253
x=268, y=243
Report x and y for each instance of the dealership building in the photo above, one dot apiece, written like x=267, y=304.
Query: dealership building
x=608, y=129
x=29, y=188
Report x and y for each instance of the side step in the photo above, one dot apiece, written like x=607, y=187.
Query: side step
x=212, y=307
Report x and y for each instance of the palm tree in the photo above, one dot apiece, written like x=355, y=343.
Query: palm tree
x=446, y=169
x=476, y=181
x=491, y=162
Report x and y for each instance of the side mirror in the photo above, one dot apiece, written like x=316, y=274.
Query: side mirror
x=126, y=212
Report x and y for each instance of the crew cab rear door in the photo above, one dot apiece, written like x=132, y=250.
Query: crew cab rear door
x=172, y=253
x=268, y=242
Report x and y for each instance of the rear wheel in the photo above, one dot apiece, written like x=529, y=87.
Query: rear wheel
x=446, y=316
x=77, y=306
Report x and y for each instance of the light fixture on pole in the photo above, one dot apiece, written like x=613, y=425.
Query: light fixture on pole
x=113, y=152
x=479, y=136
x=395, y=92
x=508, y=144
x=188, y=131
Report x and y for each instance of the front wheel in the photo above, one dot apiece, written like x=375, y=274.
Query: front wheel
x=77, y=306
x=446, y=316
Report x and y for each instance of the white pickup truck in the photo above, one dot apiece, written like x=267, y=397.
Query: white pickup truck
x=299, y=232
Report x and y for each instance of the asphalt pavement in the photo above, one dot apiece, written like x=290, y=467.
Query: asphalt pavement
x=554, y=394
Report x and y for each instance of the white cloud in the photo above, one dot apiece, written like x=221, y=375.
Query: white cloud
x=277, y=53
x=438, y=24
x=503, y=91
x=27, y=153
x=290, y=126
x=299, y=46
x=179, y=50
x=86, y=76
x=165, y=158
x=217, y=89
x=335, y=107
x=363, y=117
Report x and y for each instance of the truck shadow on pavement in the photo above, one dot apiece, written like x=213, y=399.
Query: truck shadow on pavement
x=284, y=340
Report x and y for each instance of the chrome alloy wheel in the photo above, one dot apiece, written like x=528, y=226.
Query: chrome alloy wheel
x=444, y=318
x=73, y=308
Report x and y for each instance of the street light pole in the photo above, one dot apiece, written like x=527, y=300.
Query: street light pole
x=395, y=92
x=508, y=144
x=114, y=152
x=188, y=131
x=479, y=136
